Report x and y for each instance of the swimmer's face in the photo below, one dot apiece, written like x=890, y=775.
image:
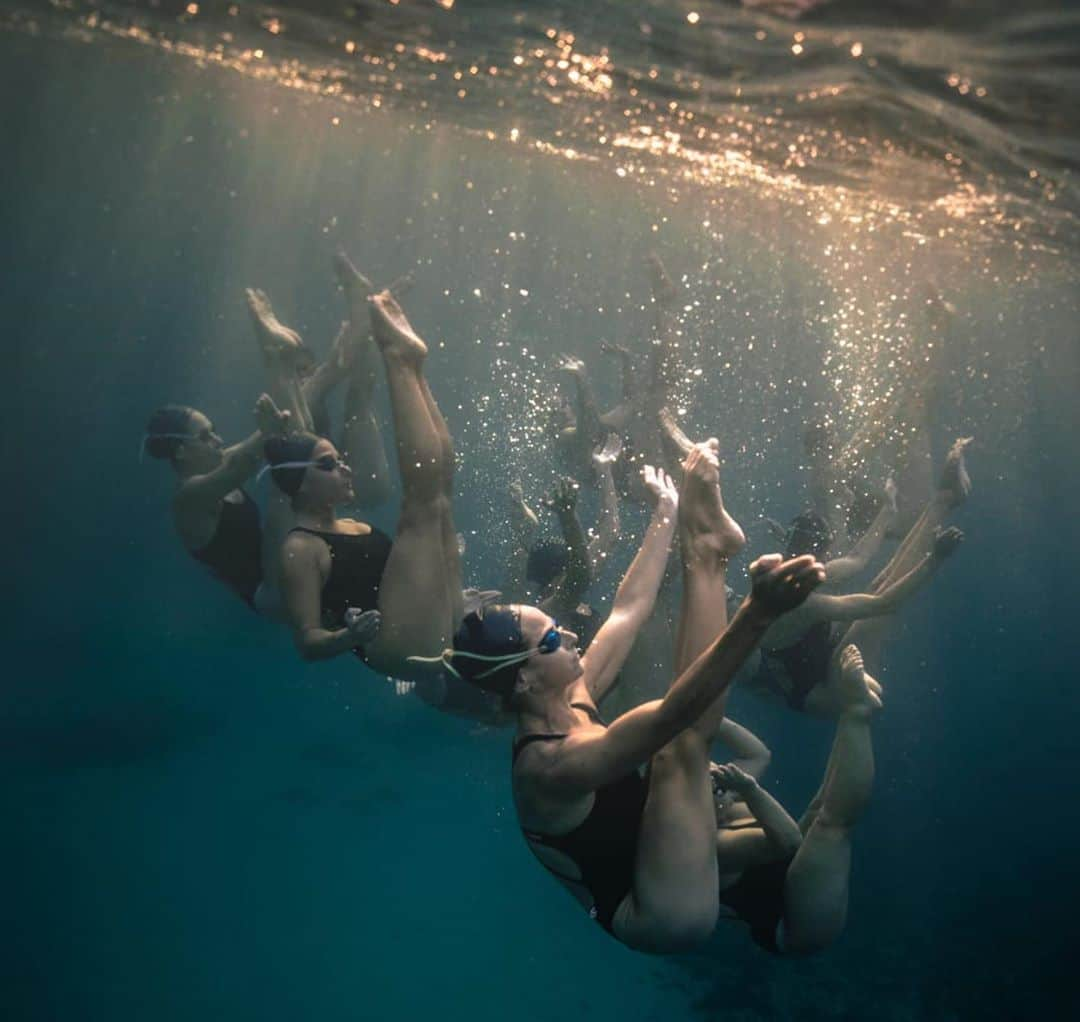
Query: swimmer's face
x=330, y=480
x=554, y=670
x=202, y=453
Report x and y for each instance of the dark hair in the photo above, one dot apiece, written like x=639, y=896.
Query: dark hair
x=547, y=561
x=289, y=447
x=165, y=420
x=809, y=534
x=493, y=631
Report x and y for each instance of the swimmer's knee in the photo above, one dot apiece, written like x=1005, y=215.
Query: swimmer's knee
x=685, y=930
x=673, y=926
x=686, y=751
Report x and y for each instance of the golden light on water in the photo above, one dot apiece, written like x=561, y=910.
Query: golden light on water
x=676, y=125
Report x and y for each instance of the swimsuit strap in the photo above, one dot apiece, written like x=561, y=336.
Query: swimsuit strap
x=520, y=743
x=591, y=710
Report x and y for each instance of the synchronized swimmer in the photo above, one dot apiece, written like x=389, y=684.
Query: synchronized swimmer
x=655, y=840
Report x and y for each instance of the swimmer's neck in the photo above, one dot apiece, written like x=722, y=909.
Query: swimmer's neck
x=554, y=715
x=320, y=519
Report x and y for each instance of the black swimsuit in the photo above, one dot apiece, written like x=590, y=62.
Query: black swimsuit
x=356, y=570
x=803, y=665
x=234, y=553
x=604, y=845
x=757, y=897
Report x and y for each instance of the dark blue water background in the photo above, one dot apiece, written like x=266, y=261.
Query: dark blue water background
x=197, y=825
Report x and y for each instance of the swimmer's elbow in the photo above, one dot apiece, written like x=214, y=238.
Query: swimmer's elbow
x=307, y=646
x=788, y=844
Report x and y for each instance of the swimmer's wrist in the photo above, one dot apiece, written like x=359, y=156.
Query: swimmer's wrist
x=755, y=614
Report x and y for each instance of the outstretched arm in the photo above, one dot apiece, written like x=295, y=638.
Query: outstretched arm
x=588, y=760
x=864, y=605
x=859, y=556
x=585, y=406
x=608, y=522
x=749, y=753
x=576, y=578
x=636, y=595
x=778, y=837
x=524, y=526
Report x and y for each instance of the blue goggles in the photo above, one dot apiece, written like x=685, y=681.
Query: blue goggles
x=551, y=640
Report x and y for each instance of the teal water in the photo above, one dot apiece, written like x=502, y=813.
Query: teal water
x=199, y=825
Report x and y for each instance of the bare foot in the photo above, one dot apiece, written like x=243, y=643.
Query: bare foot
x=860, y=698
x=706, y=530
x=955, y=483
x=358, y=289
x=393, y=333
x=677, y=442
x=274, y=337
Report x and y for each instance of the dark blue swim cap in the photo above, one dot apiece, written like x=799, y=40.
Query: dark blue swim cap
x=164, y=431
x=289, y=447
x=547, y=561
x=495, y=632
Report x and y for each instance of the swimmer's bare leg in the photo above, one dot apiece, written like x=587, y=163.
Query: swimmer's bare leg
x=284, y=353
x=816, y=887
x=954, y=485
x=677, y=445
x=420, y=596
x=362, y=444
x=708, y=538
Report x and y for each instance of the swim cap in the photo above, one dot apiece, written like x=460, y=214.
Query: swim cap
x=547, y=561
x=166, y=430
x=289, y=447
x=484, y=638
x=809, y=534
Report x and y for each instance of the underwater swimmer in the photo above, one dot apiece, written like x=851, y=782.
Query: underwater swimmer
x=216, y=520
x=562, y=571
x=800, y=655
x=638, y=852
x=789, y=881
x=348, y=587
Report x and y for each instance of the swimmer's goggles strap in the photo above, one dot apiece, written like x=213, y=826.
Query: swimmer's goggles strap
x=161, y=436
x=447, y=655
x=282, y=464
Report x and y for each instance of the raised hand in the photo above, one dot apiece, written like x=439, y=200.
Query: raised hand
x=563, y=497
x=946, y=542
x=571, y=364
x=611, y=348
x=608, y=452
x=776, y=530
x=730, y=777
x=269, y=419
x=364, y=624
x=661, y=488
x=778, y=586
x=475, y=600
x=955, y=483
